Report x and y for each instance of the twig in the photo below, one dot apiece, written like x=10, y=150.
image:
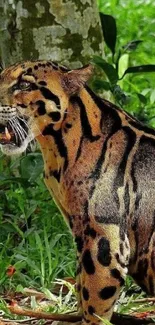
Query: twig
x=5, y=320
x=15, y=309
x=120, y=319
x=117, y=319
x=31, y=292
x=145, y=300
x=6, y=323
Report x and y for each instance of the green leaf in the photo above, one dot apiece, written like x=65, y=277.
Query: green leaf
x=142, y=98
x=123, y=64
x=101, y=84
x=109, y=29
x=140, y=69
x=103, y=320
x=50, y=295
x=152, y=97
x=22, y=181
x=20, y=288
x=109, y=70
x=31, y=166
x=132, y=45
x=120, y=96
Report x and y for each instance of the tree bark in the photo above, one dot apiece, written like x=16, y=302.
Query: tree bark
x=66, y=31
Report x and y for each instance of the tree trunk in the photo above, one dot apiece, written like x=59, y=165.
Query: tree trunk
x=66, y=31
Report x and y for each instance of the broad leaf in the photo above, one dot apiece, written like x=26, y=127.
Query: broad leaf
x=101, y=84
x=123, y=64
x=152, y=97
x=108, y=68
x=140, y=68
x=142, y=98
x=31, y=166
x=109, y=31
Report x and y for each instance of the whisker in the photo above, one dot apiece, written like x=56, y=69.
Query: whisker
x=19, y=130
x=20, y=133
x=31, y=119
x=12, y=126
x=24, y=121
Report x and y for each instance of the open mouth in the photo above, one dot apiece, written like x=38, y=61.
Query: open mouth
x=13, y=132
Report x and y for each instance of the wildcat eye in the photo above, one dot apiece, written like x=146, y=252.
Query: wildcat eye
x=24, y=85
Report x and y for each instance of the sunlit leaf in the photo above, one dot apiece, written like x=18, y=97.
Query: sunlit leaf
x=152, y=96
x=123, y=64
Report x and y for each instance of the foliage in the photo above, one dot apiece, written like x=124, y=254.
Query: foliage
x=129, y=60
x=33, y=244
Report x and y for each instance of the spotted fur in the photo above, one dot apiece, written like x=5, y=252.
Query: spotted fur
x=99, y=166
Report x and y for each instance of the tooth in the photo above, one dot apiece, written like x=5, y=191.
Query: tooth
x=7, y=134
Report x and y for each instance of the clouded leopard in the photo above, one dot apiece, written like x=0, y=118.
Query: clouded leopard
x=99, y=166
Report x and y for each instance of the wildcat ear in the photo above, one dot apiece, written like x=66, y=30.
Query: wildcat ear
x=74, y=80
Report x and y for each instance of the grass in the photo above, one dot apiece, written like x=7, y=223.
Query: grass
x=48, y=302
x=34, y=236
